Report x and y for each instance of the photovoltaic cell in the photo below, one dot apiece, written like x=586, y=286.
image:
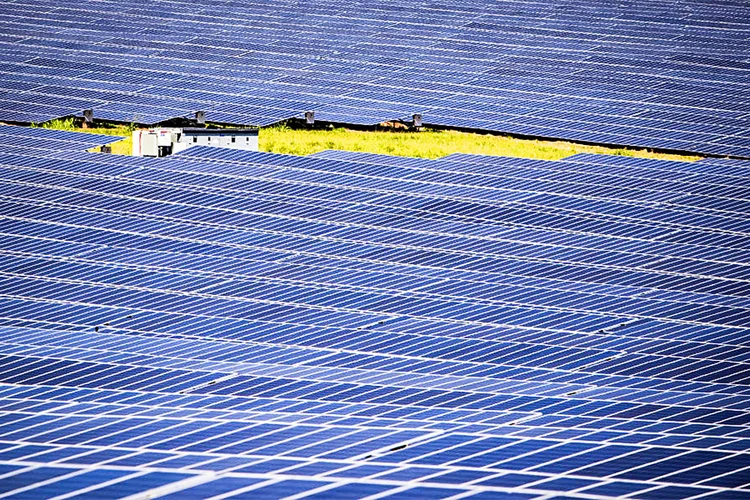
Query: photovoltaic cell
x=341, y=325
x=581, y=71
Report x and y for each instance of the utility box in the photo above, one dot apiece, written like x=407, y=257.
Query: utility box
x=153, y=142
x=158, y=142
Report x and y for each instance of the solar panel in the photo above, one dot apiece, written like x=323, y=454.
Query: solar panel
x=248, y=325
x=635, y=73
x=51, y=140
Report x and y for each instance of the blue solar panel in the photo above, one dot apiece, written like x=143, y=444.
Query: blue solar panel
x=346, y=324
x=583, y=71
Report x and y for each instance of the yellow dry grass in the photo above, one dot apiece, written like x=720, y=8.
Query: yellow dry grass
x=425, y=144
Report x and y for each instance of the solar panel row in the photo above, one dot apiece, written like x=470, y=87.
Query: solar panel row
x=245, y=325
x=630, y=73
x=51, y=140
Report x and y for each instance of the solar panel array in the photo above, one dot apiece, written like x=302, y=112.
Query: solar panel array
x=643, y=73
x=229, y=324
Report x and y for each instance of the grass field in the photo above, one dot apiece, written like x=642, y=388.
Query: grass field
x=432, y=144
x=425, y=144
